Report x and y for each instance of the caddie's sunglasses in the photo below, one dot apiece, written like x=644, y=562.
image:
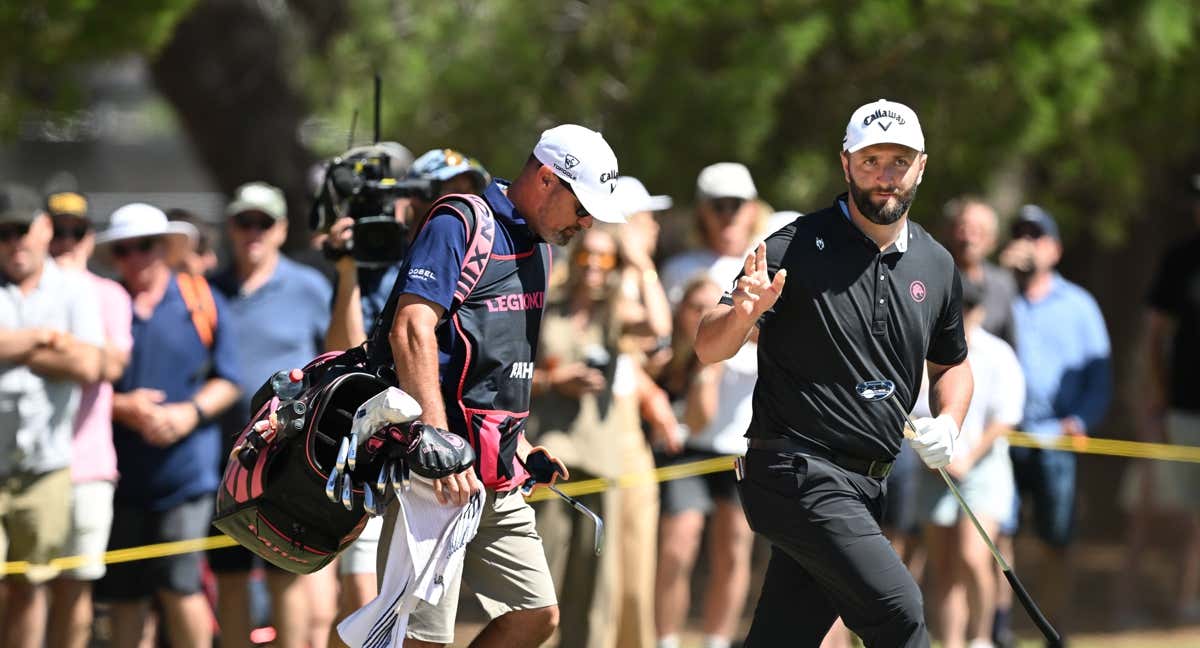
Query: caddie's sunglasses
x=143, y=245
x=253, y=221
x=69, y=230
x=13, y=232
x=580, y=211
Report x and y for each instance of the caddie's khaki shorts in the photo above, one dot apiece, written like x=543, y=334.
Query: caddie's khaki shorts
x=505, y=566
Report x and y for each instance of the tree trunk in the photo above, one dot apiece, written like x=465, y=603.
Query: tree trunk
x=225, y=73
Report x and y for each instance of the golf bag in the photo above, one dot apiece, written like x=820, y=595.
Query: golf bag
x=272, y=498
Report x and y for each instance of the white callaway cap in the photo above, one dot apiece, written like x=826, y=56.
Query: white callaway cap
x=883, y=122
x=726, y=180
x=582, y=158
x=633, y=197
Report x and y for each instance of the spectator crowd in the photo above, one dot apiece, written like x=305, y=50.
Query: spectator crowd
x=129, y=354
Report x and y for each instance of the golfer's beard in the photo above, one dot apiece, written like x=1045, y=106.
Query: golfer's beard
x=887, y=213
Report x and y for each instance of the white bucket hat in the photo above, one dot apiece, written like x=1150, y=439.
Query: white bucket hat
x=633, y=197
x=138, y=220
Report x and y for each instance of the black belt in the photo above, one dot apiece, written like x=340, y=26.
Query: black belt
x=876, y=469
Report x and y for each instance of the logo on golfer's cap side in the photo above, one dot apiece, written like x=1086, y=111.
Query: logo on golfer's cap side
x=571, y=161
x=820, y=243
x=916, y=290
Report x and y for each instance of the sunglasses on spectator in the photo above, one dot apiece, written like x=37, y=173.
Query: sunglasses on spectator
x=580, y=211
x=253, y=221
x=1027, y=231
x=13, y=231
x=601, y=260
x=726, y=205
x=70, y=230
x=142, y=245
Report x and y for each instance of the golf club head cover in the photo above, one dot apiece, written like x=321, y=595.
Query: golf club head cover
x=430, y=451
x=934, y=441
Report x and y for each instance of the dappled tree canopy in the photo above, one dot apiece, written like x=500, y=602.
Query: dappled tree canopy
x=1074, y=101
x=1085, y=105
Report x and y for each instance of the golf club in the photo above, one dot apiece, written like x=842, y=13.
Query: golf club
x=598, y=537
x=878, y=390
x=597, y=522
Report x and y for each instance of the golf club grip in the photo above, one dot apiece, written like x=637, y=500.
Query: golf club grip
x=1039, y=619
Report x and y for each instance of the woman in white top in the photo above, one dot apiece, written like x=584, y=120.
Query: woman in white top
x=963, y=577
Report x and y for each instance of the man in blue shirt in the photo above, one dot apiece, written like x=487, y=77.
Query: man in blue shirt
x=278, y=310
x=1064, y=351
x=181, y=374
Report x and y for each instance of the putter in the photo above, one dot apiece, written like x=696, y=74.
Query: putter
x=878, y=390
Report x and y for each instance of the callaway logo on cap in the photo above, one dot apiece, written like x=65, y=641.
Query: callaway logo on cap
x=883, y=122
x=582, y=158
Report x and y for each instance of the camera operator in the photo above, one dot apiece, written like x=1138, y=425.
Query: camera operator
x=362, y=290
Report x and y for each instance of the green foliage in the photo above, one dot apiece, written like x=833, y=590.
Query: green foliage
x=41, y=42
x=1082, y=96
x=1088, y=102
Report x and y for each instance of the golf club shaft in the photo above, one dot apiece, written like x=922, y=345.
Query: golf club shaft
x=1018, y=588
x=598, y=540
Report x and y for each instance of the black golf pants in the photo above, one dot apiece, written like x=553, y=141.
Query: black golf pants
x=828, y=556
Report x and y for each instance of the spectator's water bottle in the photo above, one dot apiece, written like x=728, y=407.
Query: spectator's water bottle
x=288, y=384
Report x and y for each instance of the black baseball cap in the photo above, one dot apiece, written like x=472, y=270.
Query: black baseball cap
x=19, y=204
x=1038, y=217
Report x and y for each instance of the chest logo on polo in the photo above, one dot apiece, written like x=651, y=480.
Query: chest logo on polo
x=820, y=243
x=916, y=290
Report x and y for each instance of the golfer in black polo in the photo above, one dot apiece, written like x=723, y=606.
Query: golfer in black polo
x=851, y=293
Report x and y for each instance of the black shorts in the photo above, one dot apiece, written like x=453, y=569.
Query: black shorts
x=134, y=526
x=696, y=493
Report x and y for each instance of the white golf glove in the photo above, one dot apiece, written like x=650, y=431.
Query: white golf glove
x=934, y=442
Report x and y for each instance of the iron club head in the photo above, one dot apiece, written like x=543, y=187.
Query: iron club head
x=369, y=500
x=598, y=535
x=347, y=493
x=343, y=452
x=331, y=485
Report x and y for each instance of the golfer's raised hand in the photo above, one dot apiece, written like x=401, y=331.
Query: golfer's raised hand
x=755, y=293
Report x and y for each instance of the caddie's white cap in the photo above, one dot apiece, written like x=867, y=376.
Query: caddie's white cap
x=633, y=197
x=582, y=158
x=883, y=122
x=726, y=180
